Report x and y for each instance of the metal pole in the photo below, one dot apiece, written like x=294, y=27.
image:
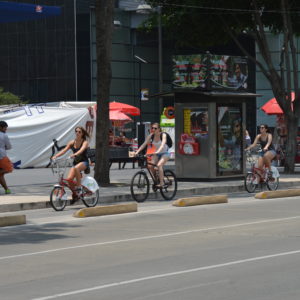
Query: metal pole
x=160, y=60
x=75, y=51
x=141, y=130
x=140, y=89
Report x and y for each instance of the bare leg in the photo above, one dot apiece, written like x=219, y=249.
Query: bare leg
x=268, y=158
x=75, y=173
x=260, y=166
x=151, y=168
x=160, y=166
x=3, y=181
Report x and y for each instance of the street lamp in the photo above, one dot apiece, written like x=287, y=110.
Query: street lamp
x=141, y=128
x=146, y=9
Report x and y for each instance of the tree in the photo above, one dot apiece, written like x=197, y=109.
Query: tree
x=212, y=22
x=8, y=98
x=104, y=29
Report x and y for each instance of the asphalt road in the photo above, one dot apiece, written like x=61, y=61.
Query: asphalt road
x=246, y=249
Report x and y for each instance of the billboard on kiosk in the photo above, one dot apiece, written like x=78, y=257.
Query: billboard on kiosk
x=210, y=71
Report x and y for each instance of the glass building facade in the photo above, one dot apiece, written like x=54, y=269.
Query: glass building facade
x=39, y=60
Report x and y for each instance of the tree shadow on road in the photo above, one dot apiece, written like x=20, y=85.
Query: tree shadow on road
x=31, y=234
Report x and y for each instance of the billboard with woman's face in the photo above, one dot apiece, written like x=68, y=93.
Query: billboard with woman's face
x=210, y=72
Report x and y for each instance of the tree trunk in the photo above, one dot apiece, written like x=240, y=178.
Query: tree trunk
x=291, y=144
x=104, y=29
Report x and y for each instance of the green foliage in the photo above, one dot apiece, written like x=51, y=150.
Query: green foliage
x=8, y=98
x=203, y=23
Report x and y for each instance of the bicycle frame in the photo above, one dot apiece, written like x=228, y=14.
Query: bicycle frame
x=64, y=182
x=143, y=166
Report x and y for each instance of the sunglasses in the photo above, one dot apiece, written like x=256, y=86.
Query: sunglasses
x=79, y=131
x=262, y=127
x=154, y=128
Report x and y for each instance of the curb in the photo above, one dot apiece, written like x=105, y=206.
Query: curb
x=106, y=210
x=278, y=194
x=215, y=199
x=12, y=220
x=126, y=197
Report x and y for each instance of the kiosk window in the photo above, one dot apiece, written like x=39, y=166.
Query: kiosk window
x=230, y=140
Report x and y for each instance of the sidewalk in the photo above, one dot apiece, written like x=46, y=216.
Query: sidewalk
x=31, y=188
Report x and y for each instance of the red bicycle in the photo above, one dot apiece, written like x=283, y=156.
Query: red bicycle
x=88, y=191
x=257, y=176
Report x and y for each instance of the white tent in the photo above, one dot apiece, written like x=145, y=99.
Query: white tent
x=37, y=132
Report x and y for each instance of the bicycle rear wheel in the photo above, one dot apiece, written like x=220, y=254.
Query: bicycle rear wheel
x=272, y=183
x=57, y=200
x=140, y=186
x=170, y=185
x=249, y=180
x=90, y=200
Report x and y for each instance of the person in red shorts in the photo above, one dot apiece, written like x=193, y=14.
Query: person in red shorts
x=5, y=164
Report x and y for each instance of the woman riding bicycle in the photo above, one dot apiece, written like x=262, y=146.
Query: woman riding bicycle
x=79, y=147
x=157, y=140
x=268, y=150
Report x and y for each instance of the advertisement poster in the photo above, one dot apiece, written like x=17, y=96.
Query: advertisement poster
x=230, y=140
x=190, y=71
x=210, y=71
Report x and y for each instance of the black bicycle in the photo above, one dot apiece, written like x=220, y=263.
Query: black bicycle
x=140, y=183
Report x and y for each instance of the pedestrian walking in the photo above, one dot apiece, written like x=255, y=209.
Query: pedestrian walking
x=6, y=165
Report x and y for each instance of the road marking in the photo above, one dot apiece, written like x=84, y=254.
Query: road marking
x=149, y=237
x=171, y=274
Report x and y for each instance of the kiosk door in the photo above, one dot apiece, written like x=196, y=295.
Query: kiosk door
x=229, y=139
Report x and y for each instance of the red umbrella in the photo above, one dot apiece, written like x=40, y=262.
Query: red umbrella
x=118, y=118
x=124, y=108
x=272, y=107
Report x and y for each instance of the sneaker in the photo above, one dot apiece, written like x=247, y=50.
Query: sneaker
x=255, y=181
x=270, y=174
x=8, y=191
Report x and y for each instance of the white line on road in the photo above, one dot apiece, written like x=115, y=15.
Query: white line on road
x=164, y=275
x=150, y=237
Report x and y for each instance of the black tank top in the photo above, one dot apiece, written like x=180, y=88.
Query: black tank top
x=81, y=157
x=264, y=143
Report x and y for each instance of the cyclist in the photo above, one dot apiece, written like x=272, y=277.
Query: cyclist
x=79, y=147
x=157, y=141
x=264, y=138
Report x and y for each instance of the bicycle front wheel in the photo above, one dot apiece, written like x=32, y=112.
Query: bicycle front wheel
x=250, y=186
x=57, y=200
x=140, y=186
x=169, y=190
x=272, y=183
x=90, y=199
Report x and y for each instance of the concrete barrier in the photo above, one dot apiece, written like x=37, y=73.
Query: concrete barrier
x=200, y=200
x=12, y=220
x=278, y=194
x=106, y=210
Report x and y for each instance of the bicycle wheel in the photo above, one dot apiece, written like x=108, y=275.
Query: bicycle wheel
x=272, y=183
x=170, y=185
x=57, y=200
x=140, y=186
x=250, y=186
x=90, y=200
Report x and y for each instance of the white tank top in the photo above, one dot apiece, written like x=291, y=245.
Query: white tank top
x=158, y=144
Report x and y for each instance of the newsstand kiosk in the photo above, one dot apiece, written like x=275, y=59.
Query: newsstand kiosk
x=209, y=134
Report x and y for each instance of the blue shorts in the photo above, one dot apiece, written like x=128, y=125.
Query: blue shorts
x=163, y=154
x=86, y=163
x=262, y=153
